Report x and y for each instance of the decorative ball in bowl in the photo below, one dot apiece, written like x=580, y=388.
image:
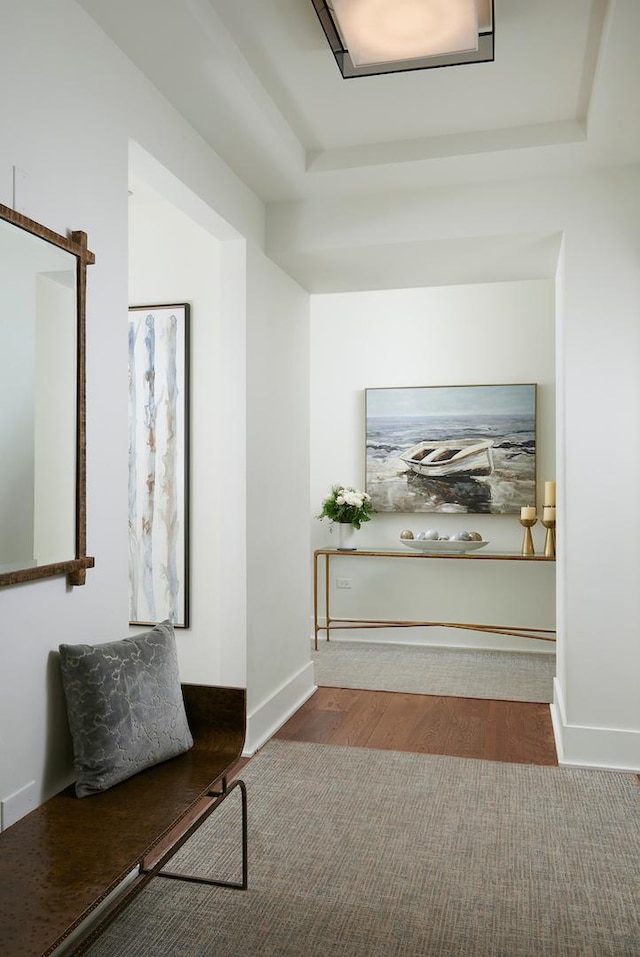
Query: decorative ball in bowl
x=431, y=541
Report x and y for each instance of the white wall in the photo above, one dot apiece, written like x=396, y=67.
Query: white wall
x=457, y=335
x=76, y=105
x=278, y=545
x=173, y=259
x=597, y=706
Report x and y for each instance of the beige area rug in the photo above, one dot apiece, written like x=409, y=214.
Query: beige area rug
x=365, y=853
x=455, y=672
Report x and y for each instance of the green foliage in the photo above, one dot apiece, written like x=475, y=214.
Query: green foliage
x=347, y=505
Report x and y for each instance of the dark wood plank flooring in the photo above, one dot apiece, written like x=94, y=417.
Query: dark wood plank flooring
x=514, y=731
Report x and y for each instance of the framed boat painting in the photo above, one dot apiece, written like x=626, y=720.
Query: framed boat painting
x=451, y=448
x=158, y=464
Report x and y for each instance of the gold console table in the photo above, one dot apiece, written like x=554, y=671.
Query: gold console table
x=544, y=634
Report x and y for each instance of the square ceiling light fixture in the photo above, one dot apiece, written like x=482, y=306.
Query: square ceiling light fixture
x=369, y=37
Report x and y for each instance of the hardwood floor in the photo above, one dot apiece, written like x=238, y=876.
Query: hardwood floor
x=513, y=731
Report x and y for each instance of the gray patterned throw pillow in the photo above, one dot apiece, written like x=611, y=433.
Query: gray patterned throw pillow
x=125, y=706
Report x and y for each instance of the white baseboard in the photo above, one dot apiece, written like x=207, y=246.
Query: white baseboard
x=610, y=749
x=268, y=717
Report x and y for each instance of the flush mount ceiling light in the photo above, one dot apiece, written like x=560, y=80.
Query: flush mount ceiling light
x=370, y=37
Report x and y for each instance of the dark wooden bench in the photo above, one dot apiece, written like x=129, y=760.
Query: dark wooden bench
x=60, y=863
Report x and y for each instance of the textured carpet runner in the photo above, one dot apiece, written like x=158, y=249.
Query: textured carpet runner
x=456, y=672
x=364, y=853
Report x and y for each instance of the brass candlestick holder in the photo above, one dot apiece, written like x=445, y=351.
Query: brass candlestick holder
x=527, y=540
x=549, y=522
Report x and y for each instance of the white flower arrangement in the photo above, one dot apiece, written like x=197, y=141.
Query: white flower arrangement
x=347, y=506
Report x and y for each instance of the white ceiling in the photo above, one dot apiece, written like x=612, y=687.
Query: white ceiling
x=258, y=81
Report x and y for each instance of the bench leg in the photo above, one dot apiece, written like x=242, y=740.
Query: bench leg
x=219, y=797
x=146, y=874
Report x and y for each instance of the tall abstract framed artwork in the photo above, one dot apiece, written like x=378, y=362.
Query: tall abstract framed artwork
x=158, y=464
x=451, y=448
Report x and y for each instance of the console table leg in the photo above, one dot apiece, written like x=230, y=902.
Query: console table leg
x=326, y=593
x=315, y=600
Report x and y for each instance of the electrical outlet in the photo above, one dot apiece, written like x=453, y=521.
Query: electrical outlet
x=343, y=583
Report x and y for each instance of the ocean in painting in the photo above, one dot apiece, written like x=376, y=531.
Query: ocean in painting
x=394, y=487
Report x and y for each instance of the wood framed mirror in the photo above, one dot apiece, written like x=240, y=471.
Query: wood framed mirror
x=42, y=401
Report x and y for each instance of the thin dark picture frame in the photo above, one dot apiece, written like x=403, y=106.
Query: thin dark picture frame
x=159, y=453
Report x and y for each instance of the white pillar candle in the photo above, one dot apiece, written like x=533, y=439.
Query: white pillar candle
x=528, y=513
x=549, y=493
x=549, y=513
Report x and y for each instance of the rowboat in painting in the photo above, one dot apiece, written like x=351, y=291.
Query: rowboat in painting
x=459, y=457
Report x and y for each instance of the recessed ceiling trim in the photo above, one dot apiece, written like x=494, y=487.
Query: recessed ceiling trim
x=453, y=144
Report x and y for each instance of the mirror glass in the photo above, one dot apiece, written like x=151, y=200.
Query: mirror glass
x=38, y=400
x=42, y=438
